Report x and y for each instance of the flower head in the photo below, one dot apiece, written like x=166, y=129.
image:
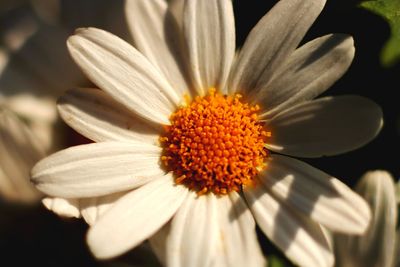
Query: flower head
x=186, y=135
x=215, y=145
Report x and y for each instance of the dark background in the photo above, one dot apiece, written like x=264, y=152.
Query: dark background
x=32, y=235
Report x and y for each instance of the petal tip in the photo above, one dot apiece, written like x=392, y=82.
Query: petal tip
x=100, y=249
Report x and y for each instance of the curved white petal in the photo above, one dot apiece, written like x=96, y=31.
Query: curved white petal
x=94, y=207
x=19, y=151
x=94, y=114
x=135, y=217
x=209, y=31
x=124, y=73
x=97, y=169
x=158, y=243
x=307, y=73
x=238, y=243
x=297, y=236
x=325, y=126
x=192, y=238
x=320, y=196
x=377, y=246
x=63, y=207
x=271, y=42
x=40, y=115
x=156, y=35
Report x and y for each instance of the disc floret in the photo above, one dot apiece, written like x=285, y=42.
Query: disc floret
x=215, y=144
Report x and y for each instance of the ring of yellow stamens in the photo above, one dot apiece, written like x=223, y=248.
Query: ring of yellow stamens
x=215, y=144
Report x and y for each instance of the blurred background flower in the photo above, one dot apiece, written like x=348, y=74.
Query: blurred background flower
x=377, y=247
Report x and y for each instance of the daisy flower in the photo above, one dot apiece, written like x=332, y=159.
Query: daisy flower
x=190, y=139
x=377, y=246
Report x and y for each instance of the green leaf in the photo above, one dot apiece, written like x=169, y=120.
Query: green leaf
x=274, y=261
x=390, y=11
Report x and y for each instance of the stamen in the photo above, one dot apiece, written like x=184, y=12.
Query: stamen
x=215, y=144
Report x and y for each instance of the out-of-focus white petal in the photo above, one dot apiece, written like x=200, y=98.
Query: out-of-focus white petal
x=325, y=126
x=194, y=228
x=271, y=42
x=297, y=236
x=377, y=246
x=209, y=30
x=94, y=114
x=97, y=169
x=135, y=217
x=124, y=73
x=307, y=73
x=63, y=207
x=19, y=151
x=40, y=113
x=320, y=196
x=156, y=36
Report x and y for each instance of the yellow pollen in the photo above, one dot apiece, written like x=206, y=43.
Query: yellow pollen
x=215, y=144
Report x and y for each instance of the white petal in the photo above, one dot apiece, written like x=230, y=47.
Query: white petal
x=156, y=36
x=377, y=246
x=124, y=73
x=318, y=195
x=325, y=126
x=135, y=217
x=19, y=151
x=192, y=238
x=93, y=208
x=238, y=243
x=209, y=30
x=308, y=72
x=97, y=116
x=63, y=207
x=7, y=190
x=158, y=243
x=271, y=42
x=97, y=169
x=40, y=115
x=4, y=59
x=299, y=238
x=32, y=107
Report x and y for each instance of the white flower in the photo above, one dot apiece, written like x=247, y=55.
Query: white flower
x=377, y=246
x=196, y=186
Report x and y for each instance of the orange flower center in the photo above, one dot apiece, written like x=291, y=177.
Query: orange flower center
x=215, y=144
